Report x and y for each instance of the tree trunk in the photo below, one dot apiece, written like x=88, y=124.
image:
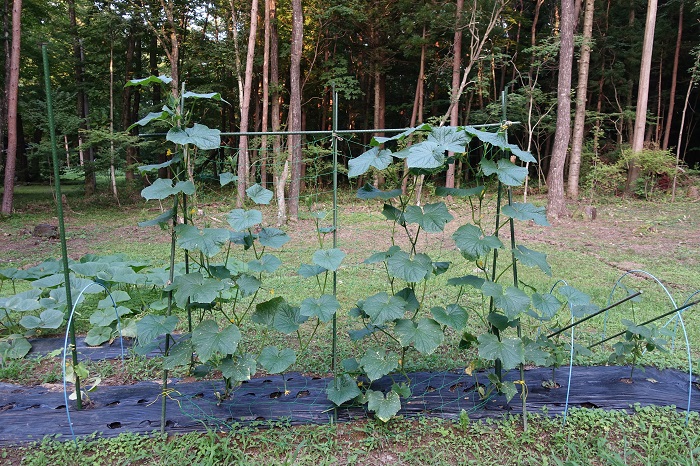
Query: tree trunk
x=81, y=98
x=127, y=93
x=295, y=105
x=265, y=96
x=417, y=113
x=581, y=98
x=456, y=68
x=243, y=160
x=12, y=96
x=280, y=164
x=674, y=80
x=556, y=200
x=643, y=93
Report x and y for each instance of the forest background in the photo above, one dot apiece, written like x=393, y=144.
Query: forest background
x=604, y=91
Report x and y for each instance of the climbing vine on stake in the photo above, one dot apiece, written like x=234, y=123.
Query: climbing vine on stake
x=396, y=322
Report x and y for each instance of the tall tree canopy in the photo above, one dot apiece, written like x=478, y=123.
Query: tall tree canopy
x=393, y=63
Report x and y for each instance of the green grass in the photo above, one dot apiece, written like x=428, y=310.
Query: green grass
x=647, y=436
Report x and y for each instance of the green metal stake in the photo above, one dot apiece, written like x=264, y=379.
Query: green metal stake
x=61, y=225
x=514, y=262
x=335, y=222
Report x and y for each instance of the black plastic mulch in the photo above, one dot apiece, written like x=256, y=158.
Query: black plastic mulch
x=28, y=414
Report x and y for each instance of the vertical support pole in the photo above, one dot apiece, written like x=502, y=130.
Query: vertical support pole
x=61, y=225
x=504, y=100
x=334, y=143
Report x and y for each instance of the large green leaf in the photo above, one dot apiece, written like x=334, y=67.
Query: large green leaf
x=450, y=138
x=368, y=191
x=50, y=318
x=384, y=407
x=288, y=319
x=207, y=240
x=375, y=157
x=401, y=266
x=425, y=336
x=152, y=116
x=208, y=340
x=459, y=192
x=163, y=188
x=258, y=194
x=199, y=135
x=383, y=308
x=248, y=284
x=116, y=296
x=329, y=259
x=105, y=317
x=267, y=263
x=343, y=389
x=265, y=312
x=308, y=271
x=525, y=212
x=152, y=326
x=226, y=178
x=158, y=166
x=472, y=243
x=195, y=287
x=241, y=220
x=393, y=214
x=149, y=81
x=377, y=363
x=324, y=307
x=574, y=296
x=98, y=335
x=14, y=347
x=51, y=281
x=467, y=280
x=426, y=154
x=197, y=95
x=547, y=304
x=273, y=237
x=513, y=301
x=454, y=316
x=179, y=355
x=498, y=140
x=510, y=351
x=162, y=219
x=532, y=259
x=508, y=173
x=22, y=302
x=275, y=361
x=239, y=368
x=432, y=217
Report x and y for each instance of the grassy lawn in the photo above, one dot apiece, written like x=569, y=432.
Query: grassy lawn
x=658, y=240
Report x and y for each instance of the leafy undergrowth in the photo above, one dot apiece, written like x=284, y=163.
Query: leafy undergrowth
x=648, y=435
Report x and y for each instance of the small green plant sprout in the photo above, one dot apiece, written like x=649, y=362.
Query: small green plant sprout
x=83, y=374
x=638, y=339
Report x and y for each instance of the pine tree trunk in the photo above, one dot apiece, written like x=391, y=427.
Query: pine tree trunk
x=295, y=106
x=265, y=95
x=674, y=81
x=640, y=117
x=556, y=200
x=581, y=98
x=12, y=97
x=243, y=159
x=456, y=69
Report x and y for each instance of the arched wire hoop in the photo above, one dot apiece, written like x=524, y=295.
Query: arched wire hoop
x=65, y=347
x=571, y=351
x=678, y=318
